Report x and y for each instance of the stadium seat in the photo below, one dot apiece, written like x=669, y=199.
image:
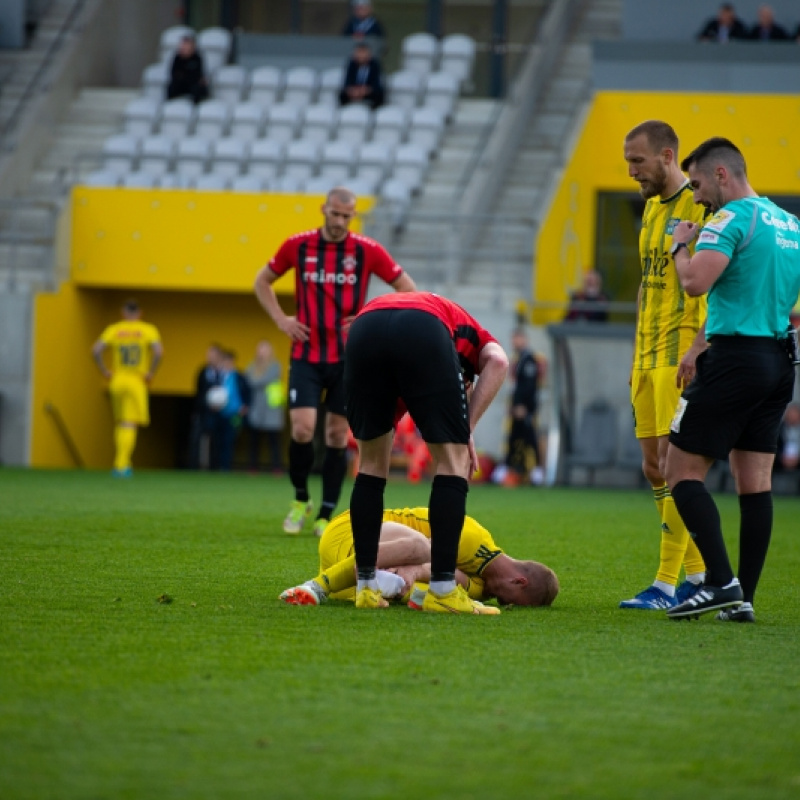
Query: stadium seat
x=396, y=195
x=391, y=124
x=247, y=121
x=155, y=156
x=362, y=188
x=228, y=156
x=594, y=444
x=405, y=89
x=211, y=182
x=170, y=39
x=176, y=118
x=212, y=119
x=374, y=163
x=301, y=159
x=319, y=122
x=154, y=81
x=172, y=181
x=101, y=178
x=354, y=124
x=458, y=56
x=330, y=84
x=337, y=161
x=630, y=451
x=119, y=154
x=266, y=156
x=283, y=122
x=427, y=127
x=192, y=156
x=215, y=46
x=300, y=86
x=441, y=92
x=319, y=185
x=287, y=184
x=410, y=166
x=266, y=86
x=141, y=116
x=247, y=183
x=419, y=52
x=138, y=180
x=229, y=84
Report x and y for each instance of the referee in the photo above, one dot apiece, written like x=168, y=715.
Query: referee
x=748, y=260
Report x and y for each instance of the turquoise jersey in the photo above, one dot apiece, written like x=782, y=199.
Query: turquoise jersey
x=755, y=293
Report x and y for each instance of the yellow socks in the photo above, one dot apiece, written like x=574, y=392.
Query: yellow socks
x=339, y=577
x=677, y=546
x=124, y=444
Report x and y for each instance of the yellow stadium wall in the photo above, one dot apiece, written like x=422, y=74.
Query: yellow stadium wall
x=765, y=127
x=114, y=254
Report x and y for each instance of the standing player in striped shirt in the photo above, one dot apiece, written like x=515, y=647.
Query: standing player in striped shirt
x=670, y=334
x=332, y=271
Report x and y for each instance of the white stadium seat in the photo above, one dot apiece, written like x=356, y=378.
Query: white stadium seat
x=301, y=159
x=419, y=52
x=266, y=85
x=229, y=84
x=154, y=81
x=319, y=122
x=354, y=124
x=266, y=157
x=228, y=157
x=283, y=122
x=300, y=86
x=331, y=81
x=427, y=127
x=156, y=155
x=141, y=116
x=247, y=121
x=410, y=166
x=405, y=89
x=391, y=124
x=192, y=156
x=458, y=56
x=177, y=117
x=212, y=119
x=441, y=91
x=120, y=153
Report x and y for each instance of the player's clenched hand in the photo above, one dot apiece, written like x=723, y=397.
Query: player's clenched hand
x=473, y=457
x=346, y=323
x=295, y=330
x=685, y=231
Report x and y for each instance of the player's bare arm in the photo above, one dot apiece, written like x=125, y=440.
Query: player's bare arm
x=492, y=369
x=405, y=283
x=97, y=355
x=156, y=354
x=265, y=293
x=697, y=273
x=687, y=367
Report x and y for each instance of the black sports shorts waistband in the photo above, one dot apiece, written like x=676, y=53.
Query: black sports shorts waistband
x=758, y=343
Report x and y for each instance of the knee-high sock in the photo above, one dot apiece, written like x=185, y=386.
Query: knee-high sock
x=338, y=577
x=755, y=532
x=366, y=516
x=701, y=516
x=301, y=460
x=124, y=444
x=674, y=537
x=334, y=468
x=446, y=512
x=692, y=560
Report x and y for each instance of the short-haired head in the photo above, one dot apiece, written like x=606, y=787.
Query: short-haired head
x=542, y=585
x=714, y=151
x=130, y=308
x=660, y=135
x=341, y=195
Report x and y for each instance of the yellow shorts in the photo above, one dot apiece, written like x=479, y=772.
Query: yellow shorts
x=129, y=398
x=654, y=397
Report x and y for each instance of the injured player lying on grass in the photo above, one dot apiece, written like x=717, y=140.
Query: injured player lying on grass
x=404, y=565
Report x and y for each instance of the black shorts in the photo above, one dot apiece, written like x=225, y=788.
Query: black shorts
x=308, y=381
x=404, y=353
x=737, y=398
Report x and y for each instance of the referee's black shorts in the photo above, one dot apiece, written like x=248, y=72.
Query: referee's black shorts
x=737, y=398
x=404, y=353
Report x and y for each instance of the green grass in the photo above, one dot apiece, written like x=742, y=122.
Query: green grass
x=105, y=692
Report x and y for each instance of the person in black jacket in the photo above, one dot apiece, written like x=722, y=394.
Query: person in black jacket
x=187, y=75
x=362, y=22
x=363, y=82
x=203, y=416
x=766, y=29
x=724, y=27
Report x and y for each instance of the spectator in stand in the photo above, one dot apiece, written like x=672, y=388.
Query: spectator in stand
x=203, y=416
x=237, y=404
x=724, y=27
x=362, y=22
x=363, y=81
x=187, y=75
x=789, y=439
x=590, y=303
x=766, y=29
x=267, y=404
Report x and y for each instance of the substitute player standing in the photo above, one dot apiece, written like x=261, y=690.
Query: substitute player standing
x=332, y=271
x=748, y=260
x=669, y=336
x=136, y=353
x=425, y=351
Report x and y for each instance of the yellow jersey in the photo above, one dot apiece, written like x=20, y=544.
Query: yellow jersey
x=668, y=318
x=131, y=342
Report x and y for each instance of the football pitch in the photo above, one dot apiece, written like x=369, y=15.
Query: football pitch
x=144, y=654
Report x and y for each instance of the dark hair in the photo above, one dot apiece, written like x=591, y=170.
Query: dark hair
x=660, y=135
x=717, y=149
x=131, y=306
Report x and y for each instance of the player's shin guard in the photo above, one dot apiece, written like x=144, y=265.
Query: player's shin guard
x=446, y=512
x=701, y=517
x=334, y=468
x=301, y=460
x=755, y=532
x=124, y=445
x=366, y=516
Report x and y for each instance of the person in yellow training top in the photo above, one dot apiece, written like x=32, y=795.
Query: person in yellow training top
x=404, y=554
x=670, y=334
x=136, y=353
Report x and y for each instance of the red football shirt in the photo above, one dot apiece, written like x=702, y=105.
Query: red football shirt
x=469, y=337
x=331, y=281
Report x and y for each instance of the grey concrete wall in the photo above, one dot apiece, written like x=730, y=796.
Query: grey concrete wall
x=682, y=20
x=15, y=375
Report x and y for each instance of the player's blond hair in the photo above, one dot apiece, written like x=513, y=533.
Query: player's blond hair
x=542, y=586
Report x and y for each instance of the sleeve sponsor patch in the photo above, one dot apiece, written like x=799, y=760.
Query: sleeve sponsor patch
x=719, y=221
x=706, y=237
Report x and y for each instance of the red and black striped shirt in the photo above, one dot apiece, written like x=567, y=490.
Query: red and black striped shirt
x=469, y=336
x=331, y=281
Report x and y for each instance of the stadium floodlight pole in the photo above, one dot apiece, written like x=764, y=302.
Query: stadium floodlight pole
x=435, y=18
x=497, y=85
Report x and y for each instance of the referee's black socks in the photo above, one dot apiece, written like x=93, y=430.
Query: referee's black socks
x=755, y=532
x=366, y=518
x=446, y=510
x=701, y=517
